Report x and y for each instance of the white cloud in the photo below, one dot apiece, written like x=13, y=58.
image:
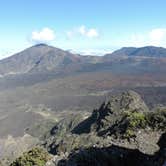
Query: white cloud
x=45, y=35
x=157, y=36
x=92, y=33
x=83, y=31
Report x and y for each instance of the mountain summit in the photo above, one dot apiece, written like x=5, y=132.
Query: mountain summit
x=38, y=58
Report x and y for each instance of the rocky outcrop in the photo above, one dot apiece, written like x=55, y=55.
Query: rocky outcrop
x=116, y=156
x=113, y=114
x=122, y=132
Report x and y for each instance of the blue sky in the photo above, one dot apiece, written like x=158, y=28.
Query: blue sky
x=87, y=26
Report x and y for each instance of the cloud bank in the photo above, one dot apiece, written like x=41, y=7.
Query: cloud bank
x=155, y=37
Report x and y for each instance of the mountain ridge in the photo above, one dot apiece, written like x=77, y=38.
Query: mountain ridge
x=44, y=58
x=147, y=51
x=42, y=63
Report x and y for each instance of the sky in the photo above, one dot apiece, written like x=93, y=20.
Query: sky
x=87, y=27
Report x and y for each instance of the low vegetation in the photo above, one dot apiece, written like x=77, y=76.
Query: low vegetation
x=157, y=119
x=37, y=156
x=134, y=120
x=139, y=120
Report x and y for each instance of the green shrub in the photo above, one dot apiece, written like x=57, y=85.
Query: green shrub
x=35, y=157
x=157, y=119
x=140, y=120
x=132, y=122
x=129, y=134
x=136, y=120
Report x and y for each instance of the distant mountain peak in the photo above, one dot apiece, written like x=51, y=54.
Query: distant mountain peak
x=41, y=45
x=40, y=58
x=147, y=51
